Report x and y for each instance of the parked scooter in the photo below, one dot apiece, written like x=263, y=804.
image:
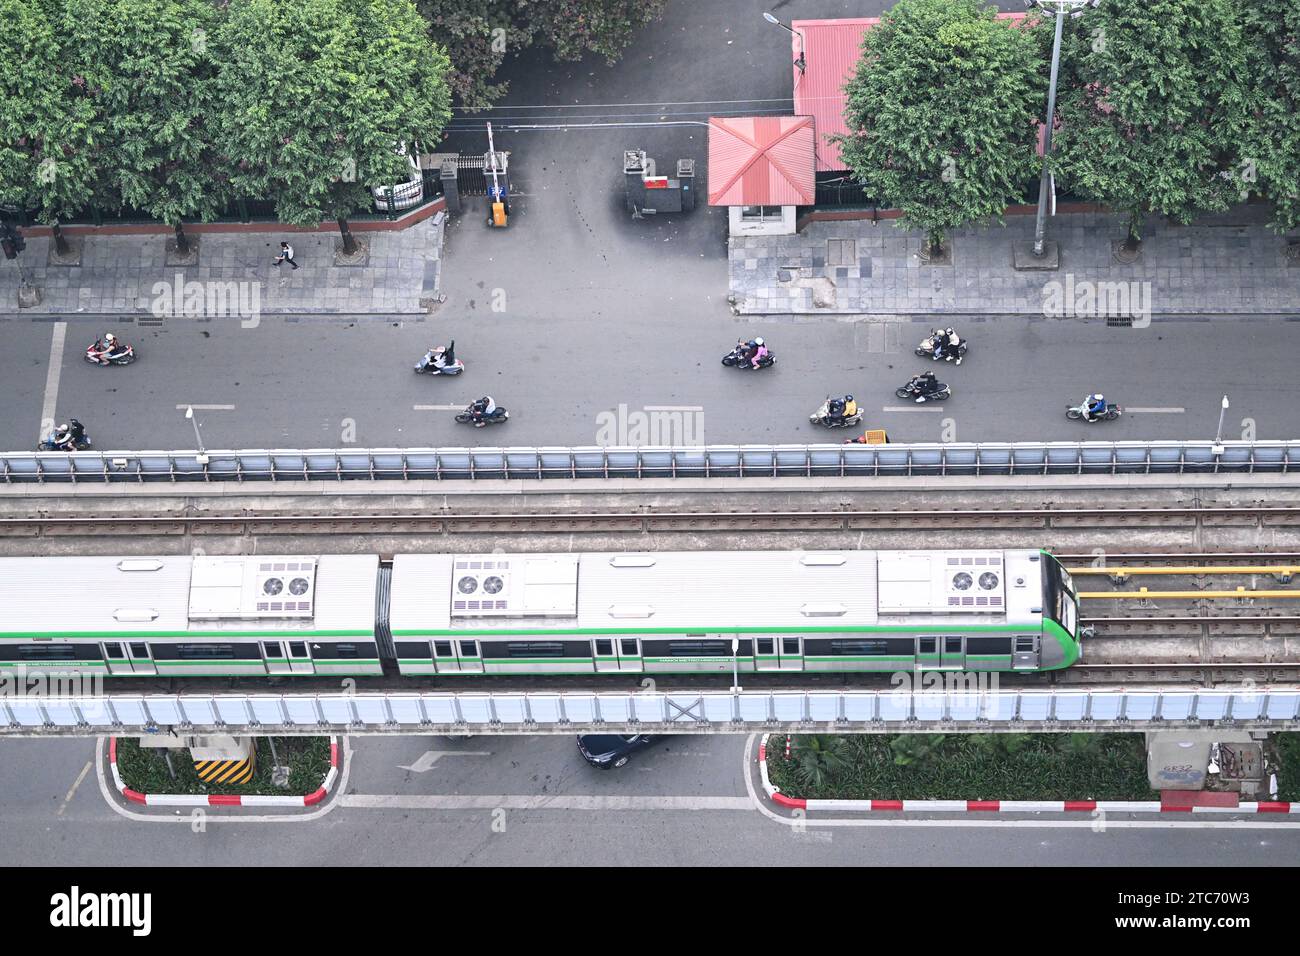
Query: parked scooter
x=440, y=360
x=824, y=417
x=741, y=357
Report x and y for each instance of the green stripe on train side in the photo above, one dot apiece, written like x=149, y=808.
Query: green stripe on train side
x=859, y=628
x=111, y=635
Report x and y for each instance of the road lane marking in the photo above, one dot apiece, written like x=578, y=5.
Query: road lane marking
x=1154, y=411
x=380, y=801
x=439, y=408
x=52, y=375
x=206, y=408
x=424, y=763
x=912, y=408
x=80, y=777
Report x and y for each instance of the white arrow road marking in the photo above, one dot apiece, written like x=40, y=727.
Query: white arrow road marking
x=430, y=757
x=52, y=375
x=206, y=408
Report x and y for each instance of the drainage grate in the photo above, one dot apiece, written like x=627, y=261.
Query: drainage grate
x=1119, y=321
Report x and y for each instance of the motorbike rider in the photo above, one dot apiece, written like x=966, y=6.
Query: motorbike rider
x=105, y=348
x=760, y=351
x=834, y=410
x=923, y=383
x=938, y=339
x=483, y=409
x=950, y=342
x=444, y=356
x=68, y=436
x=850, y=406
x=1094, y=405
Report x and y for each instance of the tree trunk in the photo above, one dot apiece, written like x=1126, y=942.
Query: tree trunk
x=936, y=245
x=182, y=244
x=1132, y=240
x=61, y=246
x=349, y=244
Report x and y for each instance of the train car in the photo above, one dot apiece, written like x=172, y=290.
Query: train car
x=701, y=612
x=191, y=616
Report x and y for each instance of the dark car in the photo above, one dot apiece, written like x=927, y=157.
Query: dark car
x=612, y=750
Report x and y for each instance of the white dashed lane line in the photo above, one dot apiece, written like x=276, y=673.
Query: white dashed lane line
x=52, y=375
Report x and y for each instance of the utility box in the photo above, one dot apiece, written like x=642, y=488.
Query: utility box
x=1180, y=760
x=648, y=194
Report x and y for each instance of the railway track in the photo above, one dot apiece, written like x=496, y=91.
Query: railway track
x=645, y=521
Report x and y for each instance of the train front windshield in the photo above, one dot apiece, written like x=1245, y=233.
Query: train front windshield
x=1061, y=599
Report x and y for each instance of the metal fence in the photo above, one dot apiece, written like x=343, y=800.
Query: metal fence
x=858, y=711
x=712, y=461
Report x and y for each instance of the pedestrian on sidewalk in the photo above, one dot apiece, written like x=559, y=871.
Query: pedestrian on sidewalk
x=286, y=255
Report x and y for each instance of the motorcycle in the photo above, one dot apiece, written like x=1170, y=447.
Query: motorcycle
x=124, y=357
x=426, y=366
x=83, y=443
x=928, y=345
x=939, y=393
x=497, y=417
x=737, y=358
x=1111, y=413
x=823, y=417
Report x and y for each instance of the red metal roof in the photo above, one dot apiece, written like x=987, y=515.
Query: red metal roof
x=761, y=161
x=830, y=58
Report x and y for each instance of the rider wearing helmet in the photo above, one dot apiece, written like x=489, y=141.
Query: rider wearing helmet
x=923, y=383
x=104, y=348
x=850, y=406
x=760, y=351
x=1094, y=405
x=482, y=410
x=951, y=343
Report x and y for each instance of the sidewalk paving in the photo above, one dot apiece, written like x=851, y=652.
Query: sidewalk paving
x=1230, y=264
x=118, y=275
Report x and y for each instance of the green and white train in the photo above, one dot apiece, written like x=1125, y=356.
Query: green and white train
x=523, y=614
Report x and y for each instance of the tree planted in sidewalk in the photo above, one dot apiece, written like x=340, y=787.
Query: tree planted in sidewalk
x=1152, y=108
x=1269, y=161
x=479, y=34
x=53, y=158
x=941, y=114
x=323, y=99
x=151, y=66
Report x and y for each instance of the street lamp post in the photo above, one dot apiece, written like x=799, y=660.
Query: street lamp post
x=735, y=665
x=1045, y=185
x=801, y=62
x=1218, y=435
x=202, y=457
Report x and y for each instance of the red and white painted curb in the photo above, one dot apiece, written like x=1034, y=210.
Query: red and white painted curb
x=224, y=799
x=1002, y=806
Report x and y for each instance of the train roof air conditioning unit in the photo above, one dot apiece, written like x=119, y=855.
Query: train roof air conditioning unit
x=252, y=588
x=514, y=586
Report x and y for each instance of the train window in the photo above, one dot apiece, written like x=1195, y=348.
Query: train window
x=952, y=645
x=604, y=647
x=766, y=645
x=1024, y=644
x=469, y=648
x=988, y=645
x=340, y=650
x=857, y=647
x=271, y=648
x=48, y=652
x=535, y=649
x=299, y=649
x=113, y=652
x=139, y=649
x=205, y=652
x=699, y=649
x=927, y=645
x=417, y=650
x=790, y=645
x=628, y=648
x=442, y=648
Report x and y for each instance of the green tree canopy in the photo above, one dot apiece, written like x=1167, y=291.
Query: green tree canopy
x=320, y=97
x=1270, y=152
x=941, y=113
x=1152, y=107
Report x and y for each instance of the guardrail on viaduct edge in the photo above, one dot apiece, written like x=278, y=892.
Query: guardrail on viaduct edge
x=722, y=461
x=858, y=711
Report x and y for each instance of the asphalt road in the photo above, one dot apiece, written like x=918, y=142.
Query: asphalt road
x=286, y=385
x=682, y=803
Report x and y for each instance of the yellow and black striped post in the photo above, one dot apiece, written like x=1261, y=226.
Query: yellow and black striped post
x=226, y=771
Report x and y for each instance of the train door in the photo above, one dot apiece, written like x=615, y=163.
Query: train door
x=766, y=657
x=471, y=661
x=953, y=653
x=617, y=654
x=300, y=658
x=115, y=658
x=791, y=652
x=778, y=653
x=141, y=661
x=1024, y=653
x=457, y=657
x=276, y=656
